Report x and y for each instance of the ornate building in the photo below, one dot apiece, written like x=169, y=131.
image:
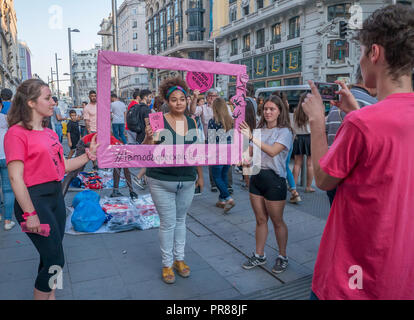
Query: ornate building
x=10, y=76
x=178, y=28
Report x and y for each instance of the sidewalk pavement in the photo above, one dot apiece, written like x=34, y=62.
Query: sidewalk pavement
x=127, y=265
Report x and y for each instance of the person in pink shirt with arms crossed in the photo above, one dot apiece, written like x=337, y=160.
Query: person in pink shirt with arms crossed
x=366, y=248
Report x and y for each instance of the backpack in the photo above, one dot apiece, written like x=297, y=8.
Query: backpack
x=133, y=119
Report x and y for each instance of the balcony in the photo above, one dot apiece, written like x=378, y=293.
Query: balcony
x=246, y=49
x=276, y=39
x=260, y=45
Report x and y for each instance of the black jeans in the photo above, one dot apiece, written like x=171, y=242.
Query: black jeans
x=49, y=204
x=331, y=195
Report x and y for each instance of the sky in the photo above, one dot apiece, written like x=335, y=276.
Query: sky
x=43, y=25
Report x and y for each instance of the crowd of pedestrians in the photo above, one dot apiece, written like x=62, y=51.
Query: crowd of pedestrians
x=359, y=153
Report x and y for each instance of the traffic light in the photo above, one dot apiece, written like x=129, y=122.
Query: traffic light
x=343, y=28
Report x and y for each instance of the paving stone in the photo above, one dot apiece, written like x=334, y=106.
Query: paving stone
x=21, y=253
x=111, y=288
x=92, y=270
x=85, y=253
x=210, y=246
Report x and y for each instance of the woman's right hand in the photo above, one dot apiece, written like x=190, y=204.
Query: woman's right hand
x=149, y=135
x=33, y=224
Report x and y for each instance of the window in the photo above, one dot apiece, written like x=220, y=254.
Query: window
x=408, y=3
x=246, y=42
x=337, y=51
x=232, y=1
x=135, y=36
x=259, y=4
x=195, y=28
x=198, y=55
x=134, y=24
x=170, y=25
x=339, y=11
x=233, y=47
x=276, y=33
x=245, y=10
x=260, y=38
x=233, y=14
x=134, y=11
x=135, y=47
x=294, y=28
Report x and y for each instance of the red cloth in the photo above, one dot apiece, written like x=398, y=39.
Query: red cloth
x=40, y=151
x=88, y=138
x=371, y=223
x=133, y=103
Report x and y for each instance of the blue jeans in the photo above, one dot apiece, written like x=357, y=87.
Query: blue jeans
x=58, y=130
x=8, y=196
x=289, y=174
x=172, y=200
x=118, y=130
x=221, y=180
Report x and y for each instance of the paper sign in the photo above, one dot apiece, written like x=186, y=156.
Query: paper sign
x=200, y=81
x=156, y=121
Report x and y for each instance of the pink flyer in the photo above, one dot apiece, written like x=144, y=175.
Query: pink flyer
x=156, y=121
x=200, y=81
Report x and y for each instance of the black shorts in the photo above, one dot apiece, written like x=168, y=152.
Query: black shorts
x=268, y=185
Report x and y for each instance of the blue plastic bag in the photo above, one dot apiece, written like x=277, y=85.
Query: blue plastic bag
x=85, y=195
x=88, y=216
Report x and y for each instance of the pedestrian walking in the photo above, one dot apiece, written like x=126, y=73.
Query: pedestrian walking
x=219, y=127
x=268, y=188
x=82, y=124
x=8, y=197
x=36, y=166
x=89, y=113
x=172, y=188
x=131, y=135
x=118, y=111
x=366, y=247
x=302, y=144
x=57, y=119
x=6, y=96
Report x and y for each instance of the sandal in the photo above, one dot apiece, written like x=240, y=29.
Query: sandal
x=295, y=198
x=182, y=269
x=229, y=204
x=168, y=275
x=220, y=204
x=309, y=190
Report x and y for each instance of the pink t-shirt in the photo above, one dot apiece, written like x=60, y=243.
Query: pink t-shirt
x=369, y=236
x=89, y=113
x=40, y=151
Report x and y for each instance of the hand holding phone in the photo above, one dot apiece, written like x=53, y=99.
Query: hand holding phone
x=328, y=91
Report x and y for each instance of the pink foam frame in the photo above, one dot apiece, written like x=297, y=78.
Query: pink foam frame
x=126, y=156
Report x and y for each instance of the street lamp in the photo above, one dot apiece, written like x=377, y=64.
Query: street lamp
x=57, y=75
x=70, y=62
x=214, y=58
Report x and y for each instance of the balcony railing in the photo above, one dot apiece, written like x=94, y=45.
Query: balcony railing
x=276, y=39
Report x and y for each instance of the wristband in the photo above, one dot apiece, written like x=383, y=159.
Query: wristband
x=28, y=214
x=90, y=155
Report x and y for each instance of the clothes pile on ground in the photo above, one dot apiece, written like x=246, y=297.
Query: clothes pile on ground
x=96, y=180
x=92, y=214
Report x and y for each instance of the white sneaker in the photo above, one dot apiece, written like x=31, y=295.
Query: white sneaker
x=9, y=226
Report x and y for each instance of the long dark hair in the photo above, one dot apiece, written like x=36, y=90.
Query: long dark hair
x=283, y=119
x=29, y=90
x=250, y=115
x=299, y=116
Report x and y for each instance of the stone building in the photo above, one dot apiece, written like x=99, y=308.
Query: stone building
x=25, y=63
x=10, y=76
x=287, y=42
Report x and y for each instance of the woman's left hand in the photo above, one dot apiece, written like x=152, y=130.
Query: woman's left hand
x=245, y=130
x=93, y=146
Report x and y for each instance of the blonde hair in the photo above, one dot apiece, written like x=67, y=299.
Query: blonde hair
x=221, y=114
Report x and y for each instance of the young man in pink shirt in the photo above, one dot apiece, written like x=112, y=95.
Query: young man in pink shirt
x=366, y=248
x=89, y=113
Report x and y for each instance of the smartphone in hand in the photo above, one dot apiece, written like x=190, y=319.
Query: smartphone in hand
x=328, y=90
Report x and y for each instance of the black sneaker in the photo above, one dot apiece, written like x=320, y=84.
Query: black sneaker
x=133, y=196
x=231, y=190
x=116, y=194
x=254, y=262
x=214, y=189
x=280, y=265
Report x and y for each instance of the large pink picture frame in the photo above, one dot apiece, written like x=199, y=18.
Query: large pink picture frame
x=125, y=156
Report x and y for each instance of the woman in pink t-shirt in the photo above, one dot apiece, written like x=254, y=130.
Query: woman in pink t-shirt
x=36, y=167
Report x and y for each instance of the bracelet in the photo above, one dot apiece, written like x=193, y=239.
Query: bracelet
x=28, y=214
x=90, y=155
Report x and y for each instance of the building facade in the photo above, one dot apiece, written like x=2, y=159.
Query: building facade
x=285, y=42
x=84, y=70
x=9, y=60
x=25, y=63
x=178, y=28
x=132, y=39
